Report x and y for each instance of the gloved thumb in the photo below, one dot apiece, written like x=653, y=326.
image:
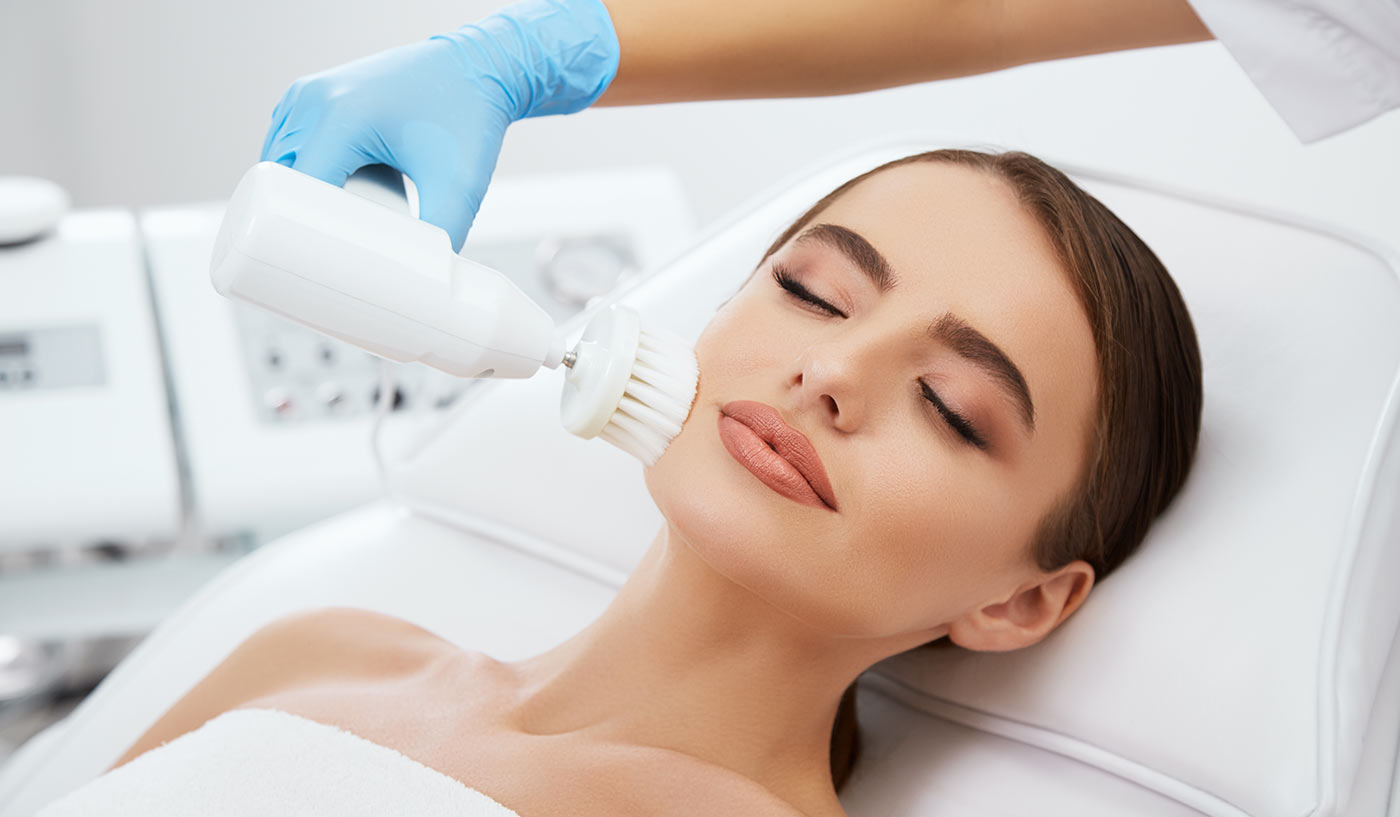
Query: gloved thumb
x=450, y=204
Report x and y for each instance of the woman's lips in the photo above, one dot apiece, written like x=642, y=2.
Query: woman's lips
x=778, y=454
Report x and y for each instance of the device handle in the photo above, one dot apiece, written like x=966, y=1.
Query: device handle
x=384, y=185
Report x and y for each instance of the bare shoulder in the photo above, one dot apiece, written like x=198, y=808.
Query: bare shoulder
x=292, y=652
x=337, y=620
x=345, y=639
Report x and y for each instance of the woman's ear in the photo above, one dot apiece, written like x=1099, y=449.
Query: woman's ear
x=1028, y=614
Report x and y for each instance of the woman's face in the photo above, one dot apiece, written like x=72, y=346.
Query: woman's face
x=935, y=506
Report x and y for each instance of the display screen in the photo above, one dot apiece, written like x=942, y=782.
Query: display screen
x=13, y=346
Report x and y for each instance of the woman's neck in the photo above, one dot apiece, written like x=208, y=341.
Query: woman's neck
x=687, y=660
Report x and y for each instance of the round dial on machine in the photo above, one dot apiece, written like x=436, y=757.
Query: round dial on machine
x=577, y=269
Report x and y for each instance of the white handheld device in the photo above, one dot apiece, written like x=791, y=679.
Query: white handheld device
x=379, y=279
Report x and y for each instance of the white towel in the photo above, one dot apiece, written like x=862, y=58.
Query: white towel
x=267, y=762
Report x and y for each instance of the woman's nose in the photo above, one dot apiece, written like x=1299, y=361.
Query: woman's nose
x=828, y=383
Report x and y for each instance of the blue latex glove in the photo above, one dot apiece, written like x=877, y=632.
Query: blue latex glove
x=438, y=110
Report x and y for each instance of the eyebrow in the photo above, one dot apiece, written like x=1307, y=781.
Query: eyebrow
x=948, y=328
x=854, y=246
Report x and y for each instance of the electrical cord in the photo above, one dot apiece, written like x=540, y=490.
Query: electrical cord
x=382, y=406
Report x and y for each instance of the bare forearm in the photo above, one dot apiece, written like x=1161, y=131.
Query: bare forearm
x=726, y=49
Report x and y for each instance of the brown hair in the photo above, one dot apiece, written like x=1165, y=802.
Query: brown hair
x=1149, y=385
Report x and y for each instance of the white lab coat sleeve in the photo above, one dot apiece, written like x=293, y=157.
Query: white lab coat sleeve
x=1325, y=65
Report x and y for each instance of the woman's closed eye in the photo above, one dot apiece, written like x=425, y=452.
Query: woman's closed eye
x=959, y=423
x=956, y=421
x=795, y=288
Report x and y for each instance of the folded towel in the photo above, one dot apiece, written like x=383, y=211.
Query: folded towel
x=264, y=761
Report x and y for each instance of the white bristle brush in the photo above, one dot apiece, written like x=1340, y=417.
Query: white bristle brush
x=369, y=273
x=629, y=384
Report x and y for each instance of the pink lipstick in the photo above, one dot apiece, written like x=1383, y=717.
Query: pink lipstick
x=778, y=454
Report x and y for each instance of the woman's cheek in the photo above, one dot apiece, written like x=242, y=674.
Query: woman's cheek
x=736, y=343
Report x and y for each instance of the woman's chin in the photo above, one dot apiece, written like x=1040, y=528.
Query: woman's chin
x=742, y=529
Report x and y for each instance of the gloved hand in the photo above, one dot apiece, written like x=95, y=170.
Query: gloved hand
x=438, y=110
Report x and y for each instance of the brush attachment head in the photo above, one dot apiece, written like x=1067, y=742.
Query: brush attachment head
x=629, y=384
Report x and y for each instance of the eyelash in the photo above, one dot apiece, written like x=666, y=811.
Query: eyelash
x=959, y=424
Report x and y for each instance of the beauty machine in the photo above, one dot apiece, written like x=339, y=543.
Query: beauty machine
x=1242, y=664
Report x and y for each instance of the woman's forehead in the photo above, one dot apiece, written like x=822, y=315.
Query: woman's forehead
x=932, y=212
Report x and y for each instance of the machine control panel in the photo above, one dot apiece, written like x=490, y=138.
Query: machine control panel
x=50, y=358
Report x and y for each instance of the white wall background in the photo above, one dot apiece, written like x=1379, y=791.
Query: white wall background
x=163, y=101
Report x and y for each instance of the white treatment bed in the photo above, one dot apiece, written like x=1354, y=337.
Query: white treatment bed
x=1242, y=664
